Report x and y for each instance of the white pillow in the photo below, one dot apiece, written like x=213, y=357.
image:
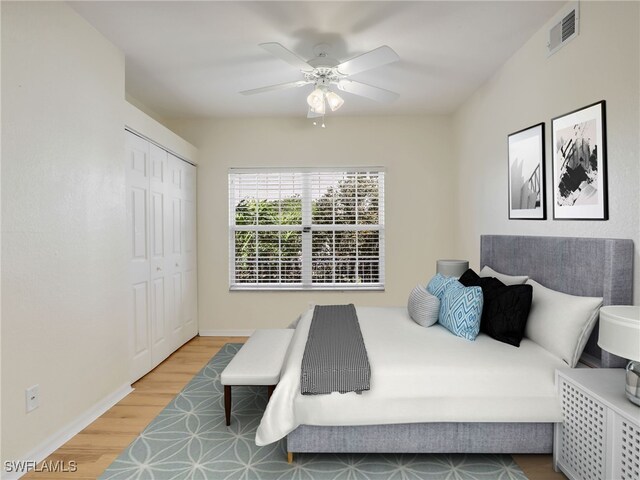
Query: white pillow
x=503, y=277
x=561, y=323
x=423, y=307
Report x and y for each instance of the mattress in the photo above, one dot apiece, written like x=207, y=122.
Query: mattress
x=420, y=375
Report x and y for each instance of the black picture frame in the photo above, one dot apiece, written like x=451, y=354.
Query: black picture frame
x=526, y=174
x=579, y=176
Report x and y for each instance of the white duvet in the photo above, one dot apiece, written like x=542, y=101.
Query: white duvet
x=420, y=375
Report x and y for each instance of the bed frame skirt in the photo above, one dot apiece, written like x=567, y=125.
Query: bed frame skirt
x=425, y=438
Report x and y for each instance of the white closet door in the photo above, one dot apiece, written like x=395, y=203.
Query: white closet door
x=160, y=301
x=183, y=252
x=177, y=247
x=161, y=207
x=137, y=164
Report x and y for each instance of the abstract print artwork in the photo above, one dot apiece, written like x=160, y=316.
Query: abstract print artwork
x=579, y=164
x=526, y=174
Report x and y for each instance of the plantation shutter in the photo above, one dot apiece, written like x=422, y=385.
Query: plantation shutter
x=306, y=228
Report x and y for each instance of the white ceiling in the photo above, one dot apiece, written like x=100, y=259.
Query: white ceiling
x=187, y=59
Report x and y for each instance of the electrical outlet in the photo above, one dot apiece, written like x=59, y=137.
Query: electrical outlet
x=32, y=395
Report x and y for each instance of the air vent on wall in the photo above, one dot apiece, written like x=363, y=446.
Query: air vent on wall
x=564, y=28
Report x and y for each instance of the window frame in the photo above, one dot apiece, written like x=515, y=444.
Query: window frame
x=307, y=228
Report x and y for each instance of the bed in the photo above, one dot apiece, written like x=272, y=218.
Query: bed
x=413, y=406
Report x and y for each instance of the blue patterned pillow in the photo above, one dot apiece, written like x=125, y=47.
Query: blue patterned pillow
x=461, y=310
x=438, y=285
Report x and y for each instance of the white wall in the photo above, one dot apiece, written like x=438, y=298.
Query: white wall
x=419, y=194
x=140, y=122
x=64, y=250
x=144, y=108
x=602, y=63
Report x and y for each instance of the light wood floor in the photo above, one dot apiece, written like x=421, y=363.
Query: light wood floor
x=95, y=447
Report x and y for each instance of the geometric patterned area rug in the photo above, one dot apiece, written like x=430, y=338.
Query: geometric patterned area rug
x=189, y=440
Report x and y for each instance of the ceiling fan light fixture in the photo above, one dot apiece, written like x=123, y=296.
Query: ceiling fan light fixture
x=324, y=71
x=319, y=109
x=334, y=100
x=316, y=101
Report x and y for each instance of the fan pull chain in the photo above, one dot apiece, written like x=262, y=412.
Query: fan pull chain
x=322, y=124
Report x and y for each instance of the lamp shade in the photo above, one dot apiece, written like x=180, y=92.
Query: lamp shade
x=620, y=331
x=334, y=100
x=452, y=268
x=316, y=101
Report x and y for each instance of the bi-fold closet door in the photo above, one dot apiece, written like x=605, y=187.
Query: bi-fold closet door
x=161, y=207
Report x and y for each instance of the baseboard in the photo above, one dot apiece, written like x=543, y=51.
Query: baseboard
x=63, y=435
x=226, y=333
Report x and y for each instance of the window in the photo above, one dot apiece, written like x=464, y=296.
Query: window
x=306, y=229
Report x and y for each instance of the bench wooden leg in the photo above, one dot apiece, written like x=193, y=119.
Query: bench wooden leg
x=289, y=457
x=270, y=390
x=227, y=403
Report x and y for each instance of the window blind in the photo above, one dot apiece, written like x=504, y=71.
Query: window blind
x=306, y=228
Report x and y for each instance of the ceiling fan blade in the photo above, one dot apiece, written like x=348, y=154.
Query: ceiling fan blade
x=362, y=89
x=375, y=58
x=280, y=86
x=287, y=55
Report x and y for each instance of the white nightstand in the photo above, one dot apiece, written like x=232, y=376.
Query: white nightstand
x=600, y=436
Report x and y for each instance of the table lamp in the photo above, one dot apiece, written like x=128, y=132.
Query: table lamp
x=452, y=268
x=620, y=335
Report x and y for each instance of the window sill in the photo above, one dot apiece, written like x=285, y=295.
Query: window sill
x=273, y=288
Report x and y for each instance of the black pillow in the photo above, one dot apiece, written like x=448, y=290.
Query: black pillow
x=505, y=308
x=489, y=285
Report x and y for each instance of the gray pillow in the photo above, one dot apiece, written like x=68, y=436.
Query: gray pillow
x=423, y=307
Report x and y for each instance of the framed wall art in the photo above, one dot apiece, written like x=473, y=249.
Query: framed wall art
x=579, y=149
x=526, y=174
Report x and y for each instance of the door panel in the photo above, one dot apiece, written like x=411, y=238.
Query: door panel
x=176, y=174
x=177, y=303
x=137, y=153
x=139, y=222
x=158, y=163
x=140, y=315
x=176, y=226
x=190, y=227
x=159, y=186
x=157, y=224
x=190, y=300
x=177, y=246
x=158, y=314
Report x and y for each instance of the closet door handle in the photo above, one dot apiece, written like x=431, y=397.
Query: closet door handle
x=158, y=269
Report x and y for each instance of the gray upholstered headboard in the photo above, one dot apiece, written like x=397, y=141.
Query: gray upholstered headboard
x=592, y=267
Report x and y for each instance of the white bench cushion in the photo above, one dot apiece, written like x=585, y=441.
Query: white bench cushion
x=260, y=359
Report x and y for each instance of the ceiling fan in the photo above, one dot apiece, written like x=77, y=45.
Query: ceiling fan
x=323, y=72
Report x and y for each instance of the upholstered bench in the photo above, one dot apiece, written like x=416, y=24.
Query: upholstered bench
x=258, y=362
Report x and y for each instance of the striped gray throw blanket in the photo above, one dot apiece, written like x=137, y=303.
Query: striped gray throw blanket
x=335, y=358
